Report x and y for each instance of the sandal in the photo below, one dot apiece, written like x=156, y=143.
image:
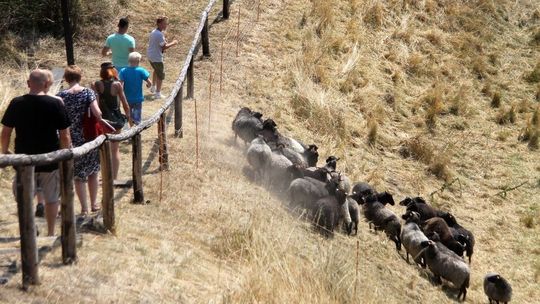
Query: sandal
x=96, y=209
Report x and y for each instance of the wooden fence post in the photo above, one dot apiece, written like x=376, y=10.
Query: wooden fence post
x=69, y=232
x=205, y=39
x=190, y=80
x=178, y=103
x=225, y=9
x=27, y=226
x=162, y=136
x=136, y=169
x=107, y=184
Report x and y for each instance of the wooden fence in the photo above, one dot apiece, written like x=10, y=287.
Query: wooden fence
x=25, y=164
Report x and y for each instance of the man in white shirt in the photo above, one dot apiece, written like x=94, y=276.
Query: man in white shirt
x=157, y=44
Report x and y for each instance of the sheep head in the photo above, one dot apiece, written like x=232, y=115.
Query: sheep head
x=257, y=115
x=385, y=198
x=269, y=124
x=449, y=219
x=312, y=155
x=406, y=202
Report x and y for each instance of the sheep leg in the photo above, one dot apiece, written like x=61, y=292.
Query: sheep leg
x=407, y=256
x=437, y=280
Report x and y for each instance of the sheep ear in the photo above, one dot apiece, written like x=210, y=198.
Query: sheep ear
x=424, y=244
x=405, y=202
x=386, y=198
x=405, y=216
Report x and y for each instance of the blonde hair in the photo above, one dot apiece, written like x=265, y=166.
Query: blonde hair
x=134, y=58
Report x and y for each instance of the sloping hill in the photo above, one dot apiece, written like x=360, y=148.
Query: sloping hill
x=401, y=90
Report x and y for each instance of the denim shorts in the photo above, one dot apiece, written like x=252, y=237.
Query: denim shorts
x=136, y=112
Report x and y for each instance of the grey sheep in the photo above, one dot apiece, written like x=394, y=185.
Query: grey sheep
x=460, y=234
x=497, y=288
x=331, y=210
x=412, y=237
x=274, y=138
x=247, y=124
x=354, y=211
x=381, y=217
x=277, y=175
x=259, y=156
x=442, y=262
x=308, y=158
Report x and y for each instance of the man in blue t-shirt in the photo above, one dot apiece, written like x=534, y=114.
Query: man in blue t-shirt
x=132, y=78
x=120, y=44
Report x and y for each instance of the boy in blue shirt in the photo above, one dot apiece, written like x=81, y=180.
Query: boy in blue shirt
x=132, y=78
x=120, y=44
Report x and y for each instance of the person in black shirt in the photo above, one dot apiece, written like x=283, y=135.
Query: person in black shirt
x=41, y=125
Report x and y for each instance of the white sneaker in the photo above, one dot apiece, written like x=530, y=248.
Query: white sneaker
x=158, y=95
x=152, y=89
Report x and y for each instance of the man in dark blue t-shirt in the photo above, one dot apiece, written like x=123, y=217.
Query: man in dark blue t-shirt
x=41, y=125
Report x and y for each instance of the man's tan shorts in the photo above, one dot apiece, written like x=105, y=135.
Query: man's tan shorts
x=46, y=182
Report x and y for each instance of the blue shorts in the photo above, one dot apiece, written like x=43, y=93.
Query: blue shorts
x=135, y=112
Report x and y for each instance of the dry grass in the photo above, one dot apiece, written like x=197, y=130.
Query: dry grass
x=215, y=237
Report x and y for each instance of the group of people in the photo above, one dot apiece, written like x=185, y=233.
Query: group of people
x=44, y=123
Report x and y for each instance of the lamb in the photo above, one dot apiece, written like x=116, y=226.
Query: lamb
x=497, y=289
x=458, y=231
x=419, y=205
x=258, y=156
x=412, y=237
x=442, y=262
x=382, y=218
x=247, y=124
x=331, y=210
x=438, y=225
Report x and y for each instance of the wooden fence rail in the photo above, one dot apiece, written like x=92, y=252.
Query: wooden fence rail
x=24, y=164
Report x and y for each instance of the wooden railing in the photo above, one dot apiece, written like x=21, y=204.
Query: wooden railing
x=25, y=164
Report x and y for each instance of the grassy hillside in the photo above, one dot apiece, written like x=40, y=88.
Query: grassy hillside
x=429, y=98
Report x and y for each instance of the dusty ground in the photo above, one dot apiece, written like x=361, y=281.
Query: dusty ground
x=323, y=70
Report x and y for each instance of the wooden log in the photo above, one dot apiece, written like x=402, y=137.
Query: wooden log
x=178, y=103
x=107, y=186
x=27, y=226
x=190, y=80
x=69, y=232
x=163, y=152
x=136, y=169
x=205, y=39
x=225, y=9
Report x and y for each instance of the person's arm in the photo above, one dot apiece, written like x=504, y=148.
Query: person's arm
x=123, y=99
x=148, y=83
x=168, y=45
x=94, y=107
x=5, y=137
x=65, y=139
x=105, y=51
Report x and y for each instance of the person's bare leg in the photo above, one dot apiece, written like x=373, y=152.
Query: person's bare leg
x=80, y=189
x=158, y=84
x=93, y=190
x=51, y=211
x=115, y=151
x=154, y=77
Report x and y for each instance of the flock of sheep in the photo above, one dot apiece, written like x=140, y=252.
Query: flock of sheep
x=432, y=237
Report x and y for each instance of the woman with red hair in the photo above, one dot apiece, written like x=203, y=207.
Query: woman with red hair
x=109, y=90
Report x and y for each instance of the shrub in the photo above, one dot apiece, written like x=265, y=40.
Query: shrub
x=534, y=75
x=496, y=100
